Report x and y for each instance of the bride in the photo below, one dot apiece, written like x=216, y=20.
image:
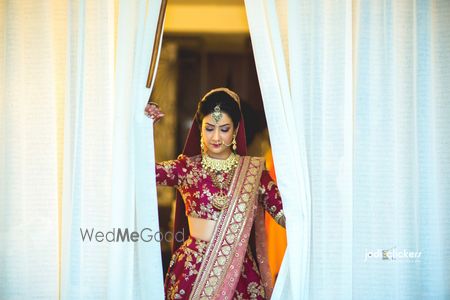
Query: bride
x=222, y=195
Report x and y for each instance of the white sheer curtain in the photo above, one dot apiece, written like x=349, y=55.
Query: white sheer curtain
x=76, y=151
x=88, y=137
x=305, y=77
x=31, y=105
x=402, y=154
x=136, y=272
x=362, y=89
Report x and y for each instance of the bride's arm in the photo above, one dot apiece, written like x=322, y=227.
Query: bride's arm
x=169, y=172
x=271, y=199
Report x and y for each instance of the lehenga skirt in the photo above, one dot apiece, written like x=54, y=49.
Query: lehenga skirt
x=186, y=262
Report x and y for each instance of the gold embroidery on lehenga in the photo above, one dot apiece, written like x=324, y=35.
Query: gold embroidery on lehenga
x=228, y=230
x=254, y=289
x=192, y=259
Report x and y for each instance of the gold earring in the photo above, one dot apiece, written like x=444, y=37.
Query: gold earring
x=234, y=143
x=202, y=148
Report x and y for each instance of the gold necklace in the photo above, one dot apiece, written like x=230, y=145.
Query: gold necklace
x=218, y=169
x=219, y=165
x=220, y=181
x=220, y=200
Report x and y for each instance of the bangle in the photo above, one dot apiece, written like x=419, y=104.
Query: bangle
x=280, y=218
x=152, y=103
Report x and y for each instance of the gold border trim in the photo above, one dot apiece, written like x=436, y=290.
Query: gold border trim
x=229, y=234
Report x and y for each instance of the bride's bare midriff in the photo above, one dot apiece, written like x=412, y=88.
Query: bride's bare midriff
x=201, y=228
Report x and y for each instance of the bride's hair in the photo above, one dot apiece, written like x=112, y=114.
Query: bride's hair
x=227, y=104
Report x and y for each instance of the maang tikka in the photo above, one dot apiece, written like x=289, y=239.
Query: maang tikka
x=217, y=114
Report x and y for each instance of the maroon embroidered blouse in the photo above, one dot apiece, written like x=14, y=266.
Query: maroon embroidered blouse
x=196, y=188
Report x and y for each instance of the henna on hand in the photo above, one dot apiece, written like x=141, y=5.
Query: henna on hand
x=152, y=111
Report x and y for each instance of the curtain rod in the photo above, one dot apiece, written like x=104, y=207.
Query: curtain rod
x=156, y=43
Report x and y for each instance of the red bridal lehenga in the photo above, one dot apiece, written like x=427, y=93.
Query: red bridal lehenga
x=227, y=257
x=226, y=267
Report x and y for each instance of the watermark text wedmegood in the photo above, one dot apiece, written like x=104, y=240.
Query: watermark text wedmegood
x=126, y=235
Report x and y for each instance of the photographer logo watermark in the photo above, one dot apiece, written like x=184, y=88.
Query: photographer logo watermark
x=393, y=254
x=123, y=235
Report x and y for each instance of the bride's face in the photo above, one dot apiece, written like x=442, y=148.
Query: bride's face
x=215, y=135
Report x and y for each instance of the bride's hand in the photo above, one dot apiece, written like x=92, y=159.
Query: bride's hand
x=152, y=111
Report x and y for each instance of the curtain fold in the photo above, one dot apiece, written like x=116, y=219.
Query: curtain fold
x=287, y=141
x=142, y=268
x=76, y=150
x=364, y=83
x=88, y=121
x=402, y=158
x=30, y=143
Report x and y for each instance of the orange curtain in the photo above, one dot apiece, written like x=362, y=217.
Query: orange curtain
x=276, y=235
